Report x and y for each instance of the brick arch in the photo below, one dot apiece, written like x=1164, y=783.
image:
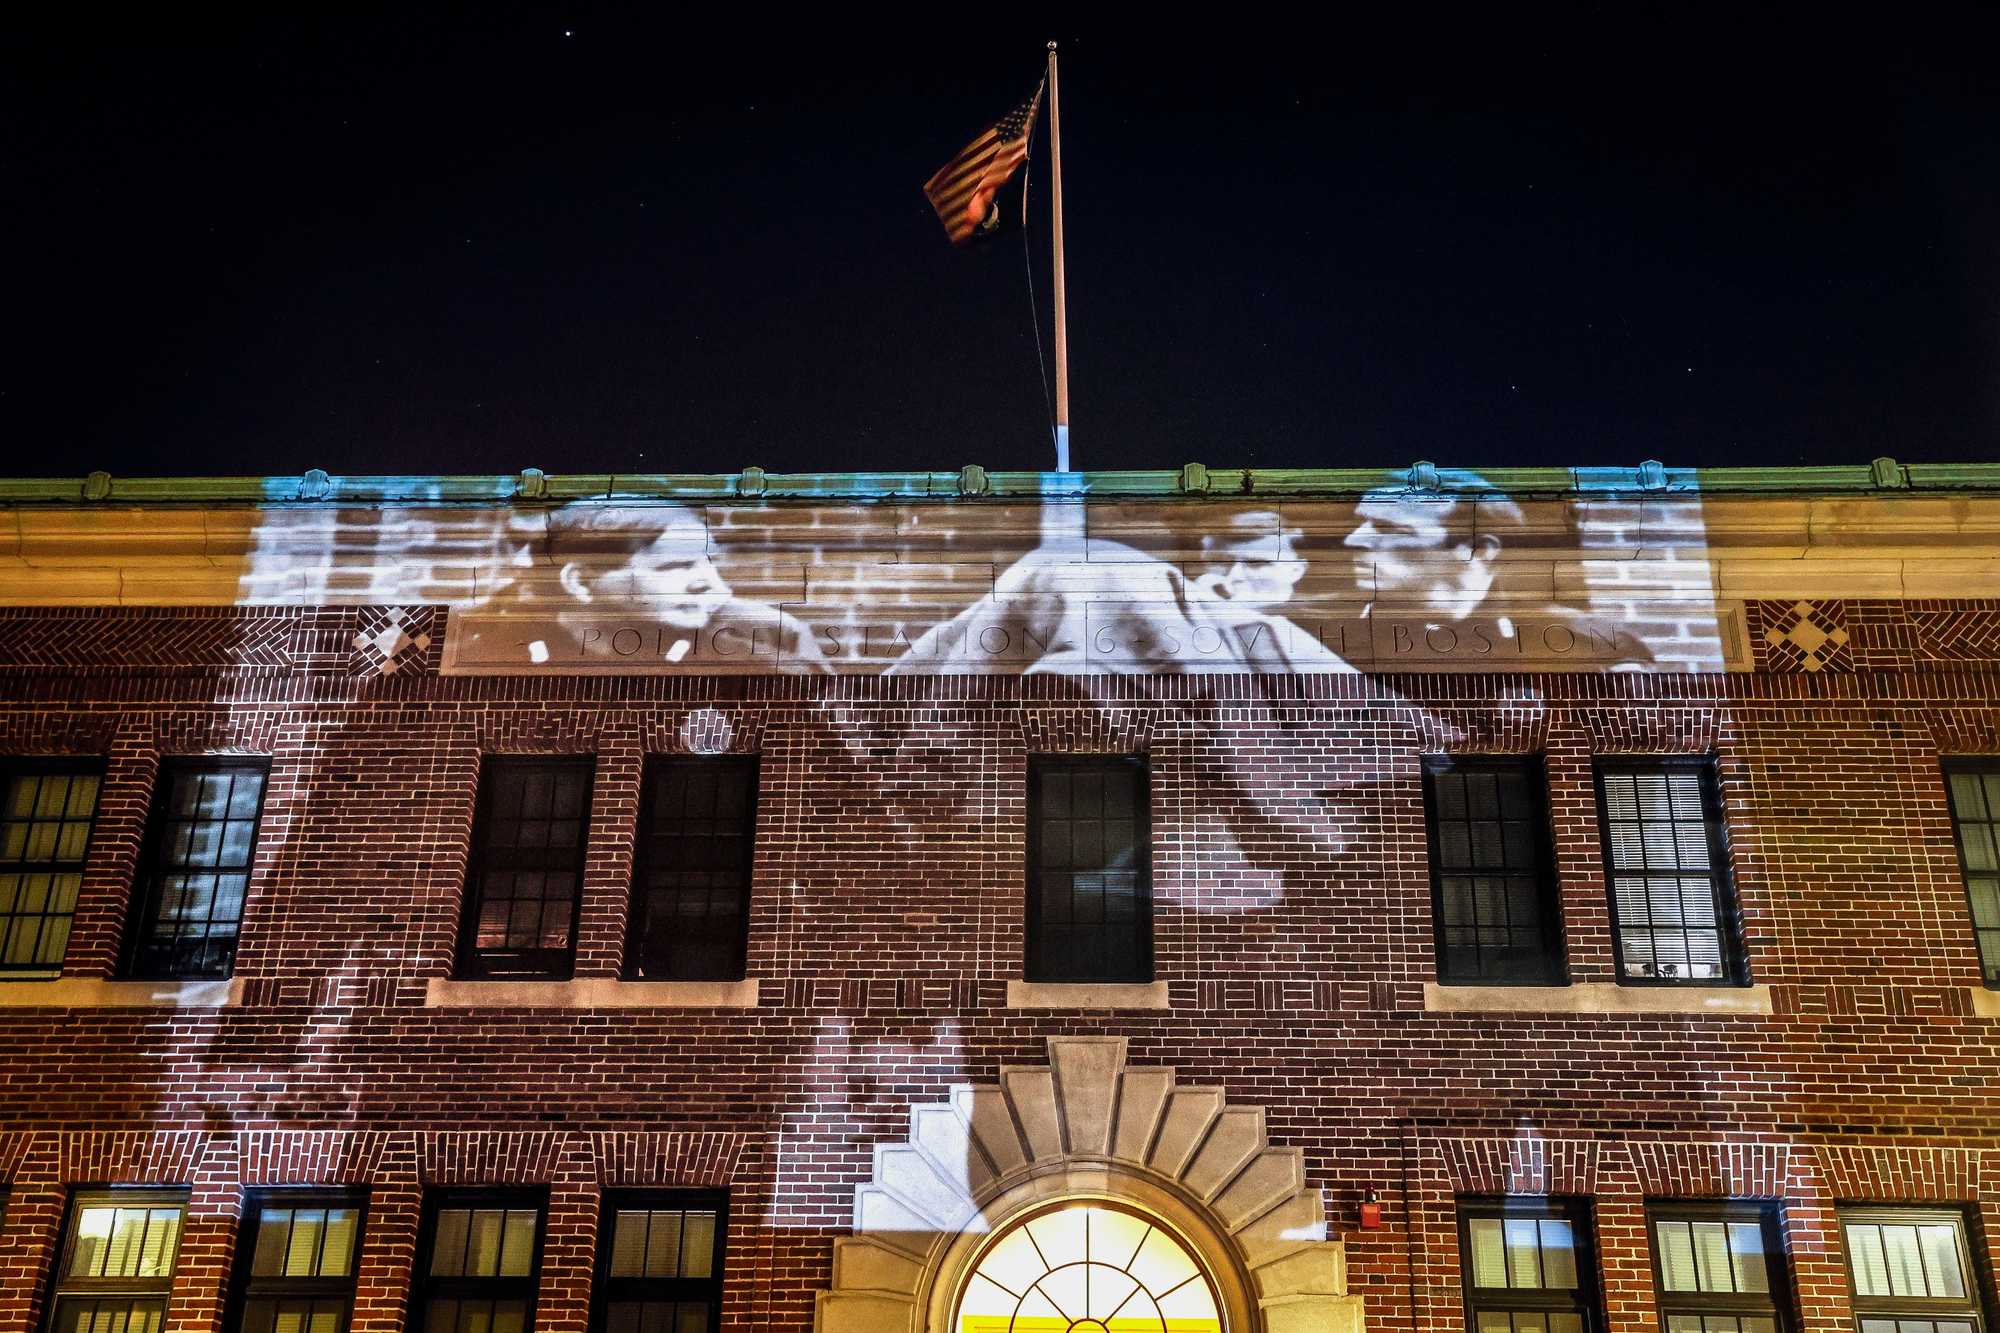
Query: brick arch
x=1086, y=1124
x=1524, y=1164
x=1520, y=727
x=206, y=731
x=1957, y=731
x=45, y=731
x=1653, y=730
x=1085, y=728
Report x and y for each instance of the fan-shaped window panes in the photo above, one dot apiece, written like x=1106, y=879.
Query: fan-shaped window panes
x=1088, y=1269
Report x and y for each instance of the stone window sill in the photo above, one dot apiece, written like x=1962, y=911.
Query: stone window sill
x=1985, y=1002
x=1087, y=995
x=99, y=993
x=590, y=993
x=1596, y=997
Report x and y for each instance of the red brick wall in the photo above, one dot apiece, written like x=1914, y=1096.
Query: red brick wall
x=1293, y=931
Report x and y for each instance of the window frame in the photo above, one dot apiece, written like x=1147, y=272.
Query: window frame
x=89, y=1196
x=1034, y=965
x=13, y=766
x=145, y=899
x=1587, y=1301
x=1984, y=765
x=475, y=964
x=426, y=1286
x=1548, y=883
x=1721, y=876
x=649, y=785
x=602, y=1293
x=1974, y=1309
x=1769, y=1216
x=244, y=1286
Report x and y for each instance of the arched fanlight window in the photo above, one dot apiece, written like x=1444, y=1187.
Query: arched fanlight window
x=1088, y=1269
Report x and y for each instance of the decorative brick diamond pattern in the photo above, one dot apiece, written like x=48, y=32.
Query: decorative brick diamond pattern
x=1801, y=636
x=389, y=639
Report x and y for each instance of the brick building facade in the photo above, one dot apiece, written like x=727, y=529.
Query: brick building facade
x=879, y=1087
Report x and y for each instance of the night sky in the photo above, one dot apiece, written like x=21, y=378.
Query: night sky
x=592, y=240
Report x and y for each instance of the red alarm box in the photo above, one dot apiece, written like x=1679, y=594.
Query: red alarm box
x=1371, y=1212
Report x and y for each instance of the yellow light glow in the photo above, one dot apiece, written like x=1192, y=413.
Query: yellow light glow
x=1087, y=1269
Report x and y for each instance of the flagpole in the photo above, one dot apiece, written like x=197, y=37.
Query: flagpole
x=1062, y=304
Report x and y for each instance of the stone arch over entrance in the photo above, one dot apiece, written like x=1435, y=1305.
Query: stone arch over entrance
x=1087, y=1127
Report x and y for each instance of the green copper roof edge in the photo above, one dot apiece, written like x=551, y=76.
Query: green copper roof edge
x=1194, y=482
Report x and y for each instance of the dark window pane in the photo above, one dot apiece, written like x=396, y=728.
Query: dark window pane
x=691, y=875
x=194, y=878
x=662, y=1271
x=528, y=847
x=1090, y=886
x=46, y=812
x=1490, y=875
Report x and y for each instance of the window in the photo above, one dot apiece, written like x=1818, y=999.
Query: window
x=691, y=876
x=662, y=1269
x=196, y=869
x=1911, y=1271
x=1492, y=880
x=1528, y=1266
x=116, y=1268
x=46, y=809
x=1668, y=870
x=1089, y=1266
x=1975, y=813
x=527, y=863
x=1090, y=891
x=1719, y=1268
x=477, y=1264
x=296, y=1261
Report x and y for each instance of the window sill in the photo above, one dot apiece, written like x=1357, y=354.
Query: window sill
x=1087, y=995
x=98, y=993
x=590, y=993
x=1985, y=1002
x=1597, y=997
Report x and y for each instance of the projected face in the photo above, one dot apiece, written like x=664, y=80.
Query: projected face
x=1254, y=565
x=675, y=579
x=1396, y=541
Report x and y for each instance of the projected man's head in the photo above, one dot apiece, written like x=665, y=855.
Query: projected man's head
x=669, y=572
x=1434, y=547
x=1253, y=562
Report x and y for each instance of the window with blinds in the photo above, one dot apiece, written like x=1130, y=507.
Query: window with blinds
x=1719, y=1268
x=1666, y=864
x=1974, y=785
x=116, y=1268
x=1911, y=1271
x=1090, y=888
x=195, y=874
x=46, y=811
x=691, y=873
x=296, y=1263
x=477, y=1265
x=1527, y=1266
x=526, y=870
x=1492, y=870
x=661, y=1271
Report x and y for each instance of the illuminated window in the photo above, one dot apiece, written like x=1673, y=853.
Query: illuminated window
x=116, y=1268
x=1668, y=870
x=1975, y=813
x=1527, y=1266
x=691, y=875
x=296, y=1263
x=527, y=866
x=46, y=809
x=477, y=1266
x=1492, y=871
x=1088, y=1269
x=196, y=870
x=1719, y=1268
x=1090, y=891
x=1911, y=1271
x=659, y=1264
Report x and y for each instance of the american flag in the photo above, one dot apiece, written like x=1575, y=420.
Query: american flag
x=962, y=191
